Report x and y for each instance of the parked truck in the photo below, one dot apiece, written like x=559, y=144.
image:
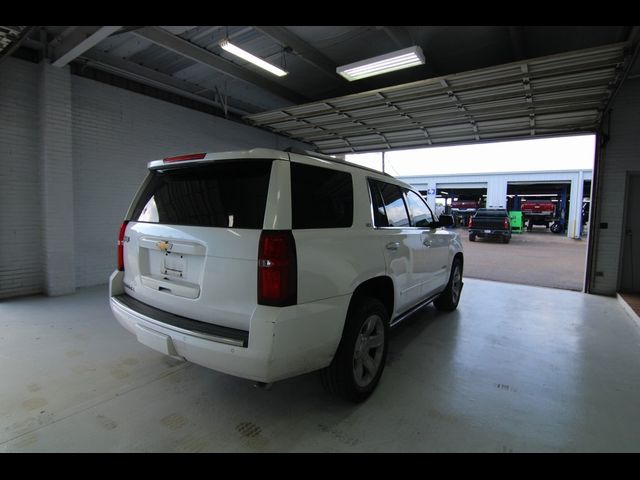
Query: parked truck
x=462, y=209
x=538, y=212
x=490, y=223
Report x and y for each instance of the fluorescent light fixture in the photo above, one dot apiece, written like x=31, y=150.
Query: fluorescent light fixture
x=238, y=52
x=389, y=62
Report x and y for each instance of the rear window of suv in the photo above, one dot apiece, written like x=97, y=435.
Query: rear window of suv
x=320, y=197
x=222, y=194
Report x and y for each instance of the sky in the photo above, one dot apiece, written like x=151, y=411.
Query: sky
x=558, y=153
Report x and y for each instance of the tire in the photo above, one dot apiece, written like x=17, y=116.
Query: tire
x=356, y=369
x=506, y=239
x=472, y=237
x=449, y=298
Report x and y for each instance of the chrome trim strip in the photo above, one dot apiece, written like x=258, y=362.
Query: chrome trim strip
x=204, y=336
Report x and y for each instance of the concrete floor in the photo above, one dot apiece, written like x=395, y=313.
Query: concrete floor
x=515, y=369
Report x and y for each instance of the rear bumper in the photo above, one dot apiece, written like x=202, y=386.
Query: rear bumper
x=281, y=342
x=491, y=233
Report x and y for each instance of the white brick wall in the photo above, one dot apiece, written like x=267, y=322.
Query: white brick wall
x=622, y=155
x=21, y=271
x=112, y=134
x=56, y=178
x=115, y=133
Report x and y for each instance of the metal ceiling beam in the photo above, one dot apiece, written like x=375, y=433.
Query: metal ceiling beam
x=154, y=78
x=65, y=49
x=187, y=49
x=308, y=53
x=400, y=35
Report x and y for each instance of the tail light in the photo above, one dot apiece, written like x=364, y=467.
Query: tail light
x=506, y=223
x=123, y=227
x=470, y=222
x=277, y=269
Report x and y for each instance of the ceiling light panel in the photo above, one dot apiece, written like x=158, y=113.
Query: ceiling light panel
x=389, y=62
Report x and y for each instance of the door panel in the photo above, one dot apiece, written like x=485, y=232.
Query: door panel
x=402, y=245
x=433, y=258
x=400, y=250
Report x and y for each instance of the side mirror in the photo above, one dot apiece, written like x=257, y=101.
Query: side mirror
x=445, y=220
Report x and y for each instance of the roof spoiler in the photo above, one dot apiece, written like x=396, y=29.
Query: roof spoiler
x=322, y=156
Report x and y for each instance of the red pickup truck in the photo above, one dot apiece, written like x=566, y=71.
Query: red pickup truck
x=538, y=212
x=463, y=209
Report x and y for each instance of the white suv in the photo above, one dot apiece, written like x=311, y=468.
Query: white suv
x=267, y=264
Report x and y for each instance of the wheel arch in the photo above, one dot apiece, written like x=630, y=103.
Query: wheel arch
x=380, y=288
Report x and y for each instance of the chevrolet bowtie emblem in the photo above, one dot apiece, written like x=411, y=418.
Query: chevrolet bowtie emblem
x=164, y=246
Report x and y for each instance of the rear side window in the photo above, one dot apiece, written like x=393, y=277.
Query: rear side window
x=221, y=194
x=393, y=204
x=320, y=197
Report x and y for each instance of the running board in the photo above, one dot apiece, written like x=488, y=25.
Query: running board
x=413, y=310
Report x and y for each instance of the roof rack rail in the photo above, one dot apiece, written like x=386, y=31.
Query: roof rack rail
x=323, y=156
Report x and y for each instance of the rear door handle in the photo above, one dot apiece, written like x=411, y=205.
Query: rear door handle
x=393, y=245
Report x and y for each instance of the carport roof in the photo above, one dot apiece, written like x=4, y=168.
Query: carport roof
x=558, y=94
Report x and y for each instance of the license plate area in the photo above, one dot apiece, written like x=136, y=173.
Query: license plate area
x=487, y=231
x=173, y=264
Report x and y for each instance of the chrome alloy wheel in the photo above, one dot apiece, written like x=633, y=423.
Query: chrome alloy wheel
x=367, y=355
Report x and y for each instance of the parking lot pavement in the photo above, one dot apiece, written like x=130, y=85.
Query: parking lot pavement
x=538, y=258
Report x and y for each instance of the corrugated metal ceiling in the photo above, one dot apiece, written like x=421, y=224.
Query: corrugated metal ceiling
x=563, y=93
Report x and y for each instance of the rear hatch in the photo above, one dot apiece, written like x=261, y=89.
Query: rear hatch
x=191, y=244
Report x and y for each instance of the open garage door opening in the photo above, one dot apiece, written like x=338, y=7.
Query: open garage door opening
x=544, y=185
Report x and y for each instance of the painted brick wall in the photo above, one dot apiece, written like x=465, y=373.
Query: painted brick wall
x=21, y=247
x=112, y=134
x=621, y=156
x=115, y=133
x=56, y=178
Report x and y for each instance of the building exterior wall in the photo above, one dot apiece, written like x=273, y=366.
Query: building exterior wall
x=497, y=183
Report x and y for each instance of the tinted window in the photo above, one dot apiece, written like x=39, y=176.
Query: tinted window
x=320, y=197
x=394, y=205
x=379, y=215
x=221, y=194
x=420, y=214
